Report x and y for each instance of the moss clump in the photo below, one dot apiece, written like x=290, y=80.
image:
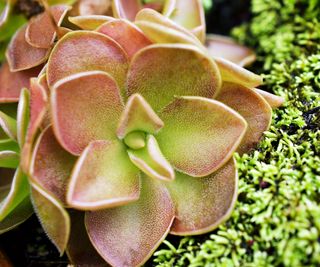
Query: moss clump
x=277, y=218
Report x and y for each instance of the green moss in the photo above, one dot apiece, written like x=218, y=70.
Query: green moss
x=276, y=221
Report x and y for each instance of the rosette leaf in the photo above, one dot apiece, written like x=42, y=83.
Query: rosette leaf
x=53, y=217
x=200, y=134
x=254, y=109
x=227, y=48
x=190, y=72
x=41, y=32
x=150, y=218
x=187, y=13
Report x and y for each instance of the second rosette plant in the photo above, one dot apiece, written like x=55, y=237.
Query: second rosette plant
x=133, y=126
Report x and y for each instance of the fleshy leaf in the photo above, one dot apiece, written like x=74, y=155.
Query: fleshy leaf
x=90, y=22
x=8, y=125
x=231, y=72
x=160, y=72
x=9, y=159
x=203, y=203
x=18, y=191
x=74, y=53
x=38, y=106
x=20, y=214
x=8, y=144
x=51, y=165
x=23, y=56
x=23, y=116
x=11, y=83
x=126, y=9
x=40, y=32
x=53, y=217
x=125, y=33
x=128, y=235
x=92, y=7
x=190, y=14
x=168, y=7
x=254, y=109
x=273, y=100
x=161, y=34
x=85, y=107
x=151, y=161
x=80, y=251
x=138, y=115
x=149, y=15
x=103, y=177
x=38, y=109
x=200, y=134
x=227, y=48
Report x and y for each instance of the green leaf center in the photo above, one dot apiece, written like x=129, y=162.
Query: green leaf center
x=135, y=140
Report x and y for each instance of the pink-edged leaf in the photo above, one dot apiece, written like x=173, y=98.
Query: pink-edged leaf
x=125, y=33
x=151, y=161
x=138, y=115
x=128, y=235
x=21, y=55
x=190, y=15
x=200, y=134
x=17, y=192
x=231, y=72
x=53, y=217
x=85, y=107
x=90, y=22
x=46, y=120
x=203, y=203
x=103, y=177
x=160, y=72
x=126, y=9
x=40, y=32
x=149, y=15
x=23, y=116
x=200, y=32
x=11, y=83
x=74, y=53
x=80, y=251
x=161, y=34
x=19, y=215
x=38, y=110
x=227, y=48
x=38, y=107
x=254, y=109
x=42, y=80
x=51, y=165
x=273, y=100
x=92, y=7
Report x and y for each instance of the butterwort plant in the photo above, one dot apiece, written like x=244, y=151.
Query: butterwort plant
x=134, y=120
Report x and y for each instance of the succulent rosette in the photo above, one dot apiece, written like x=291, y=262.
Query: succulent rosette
x=133, y=125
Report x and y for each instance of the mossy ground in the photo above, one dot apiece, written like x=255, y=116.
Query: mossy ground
x=276, y=221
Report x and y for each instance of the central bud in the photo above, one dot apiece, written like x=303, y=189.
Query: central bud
x=135, y=140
